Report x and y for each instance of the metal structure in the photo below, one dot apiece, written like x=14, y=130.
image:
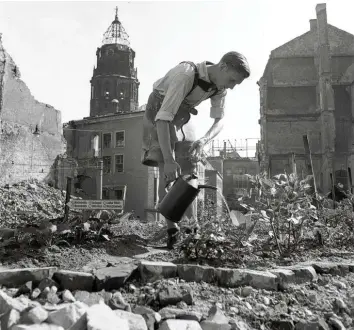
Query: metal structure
x=229, y=149
x=116, y=33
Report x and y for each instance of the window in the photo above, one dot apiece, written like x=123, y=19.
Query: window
x=120, y=139
x=107, y=164
x=119, y=163
x=105, y=194
x=118, y=194
x=107, y=140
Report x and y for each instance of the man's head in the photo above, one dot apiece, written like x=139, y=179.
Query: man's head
x=233, y=68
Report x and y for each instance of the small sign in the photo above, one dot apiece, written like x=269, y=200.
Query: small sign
x=100, y=204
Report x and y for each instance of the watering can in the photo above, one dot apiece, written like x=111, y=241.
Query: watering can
x=179, y=197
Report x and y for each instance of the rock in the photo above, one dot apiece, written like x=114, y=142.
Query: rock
x=336, y=323
x=132, y=288
x=286, y=277
x=7, y=304
x=312, y=325
x=149, y=316
x=9, y=319
x=68, y=315
x=340, y=304
x=196, y=273
x=67, y=296
x=304, y=274
x=172, y=295
x=266, y=300
x=282, y=324
x=238, y=325
x=135, y=321
x=326, y=268
x=180, y=325
x=18, y=277
x=246, y=291
x=216, y=320
x=111, y=278
x=36, y=315
x=339, y=284
x=25, y=288
x=176, y=313
x=96, y=313
x=46, y=282
x=74, y=280
x=35, y=293
x=53, y=298
x=93, y=298
x=151, y=271
x=238, y=277
x=43, y=326
x=182, y=305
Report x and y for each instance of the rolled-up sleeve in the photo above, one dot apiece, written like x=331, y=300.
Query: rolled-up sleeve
x=178, y=88
x=218, y=105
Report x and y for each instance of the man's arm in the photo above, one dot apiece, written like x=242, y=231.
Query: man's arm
x=213, y=131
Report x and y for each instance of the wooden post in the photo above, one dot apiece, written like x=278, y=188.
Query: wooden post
x=293, y=162
x=309, y=162
x=99, y=179
x=350, y=179
x=67, y=198
x=333, y=190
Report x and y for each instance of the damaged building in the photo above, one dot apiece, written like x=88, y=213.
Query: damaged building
x=30, y=131
x=308, y=89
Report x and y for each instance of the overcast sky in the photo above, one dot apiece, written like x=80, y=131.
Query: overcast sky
x=54, y=44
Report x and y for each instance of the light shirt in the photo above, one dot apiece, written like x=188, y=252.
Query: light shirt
x=177, y=83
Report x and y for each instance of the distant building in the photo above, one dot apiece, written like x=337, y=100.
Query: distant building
x=308, y=89
x=113, y=131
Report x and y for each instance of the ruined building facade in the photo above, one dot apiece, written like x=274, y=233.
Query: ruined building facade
x=113, y=131
x=30, y=131
x=308, y=88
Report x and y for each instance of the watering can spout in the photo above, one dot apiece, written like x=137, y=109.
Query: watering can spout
x=207, y=186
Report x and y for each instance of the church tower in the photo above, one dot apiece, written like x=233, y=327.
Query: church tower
x=114, y=84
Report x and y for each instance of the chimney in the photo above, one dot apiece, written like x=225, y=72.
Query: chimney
x=313, y=24
x=321, y=14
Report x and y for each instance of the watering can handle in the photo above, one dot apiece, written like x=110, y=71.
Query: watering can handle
x=201, y=186
x=169, y=186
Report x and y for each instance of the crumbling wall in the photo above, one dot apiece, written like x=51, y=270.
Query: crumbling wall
x=23, y=154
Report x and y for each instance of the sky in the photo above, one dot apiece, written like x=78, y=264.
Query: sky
x=54, y=45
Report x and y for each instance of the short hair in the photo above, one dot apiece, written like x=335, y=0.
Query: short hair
x=238, y=62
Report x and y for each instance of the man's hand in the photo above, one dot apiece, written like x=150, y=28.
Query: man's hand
x=171, y=170
x=196, y=150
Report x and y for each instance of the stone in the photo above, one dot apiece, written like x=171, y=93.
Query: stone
x=43, y=326
x=25, y=288
x=246, y=291
x=96, y=313
x=286, y=277
x=68, y=315
x=36, y=315
x=238, y=277
x=196, y=273
x=74, y=280
x=8, y=303
x=173, y=295
x=35, y=293
x=176, y=313
x=312, y=325
x=148, y=314
x=282, y=324
x=111, y=278
x=180, y=325
x=151, y=271
x=336, y=323
x=93, y=298
x=18, y=277
x=216, y=320
x=326, y=268
x=46, y=282
x=53, y=298
x=9, y=319
x=304, y=274
x=135, y=321
x=67, y=296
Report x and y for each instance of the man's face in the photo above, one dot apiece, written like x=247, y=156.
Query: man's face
x=228, y=77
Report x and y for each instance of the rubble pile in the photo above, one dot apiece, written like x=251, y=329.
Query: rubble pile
x=28, y=201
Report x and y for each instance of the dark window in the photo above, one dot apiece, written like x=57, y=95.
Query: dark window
x=118, y=193
x=120, y=139
x=119, y=163
x=107, y=164
x=105, y=194
x=107, y=140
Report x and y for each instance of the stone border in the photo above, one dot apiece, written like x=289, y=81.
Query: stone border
x=111, y=278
